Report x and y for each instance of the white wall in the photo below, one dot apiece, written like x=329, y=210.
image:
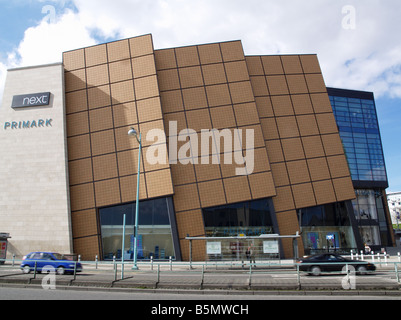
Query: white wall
x=34, y=196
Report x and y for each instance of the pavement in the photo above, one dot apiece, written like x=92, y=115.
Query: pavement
x=277, y=278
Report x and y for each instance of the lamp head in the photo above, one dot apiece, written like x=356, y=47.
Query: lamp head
x=133, y=132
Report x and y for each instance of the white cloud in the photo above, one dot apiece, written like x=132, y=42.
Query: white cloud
x=365, y=58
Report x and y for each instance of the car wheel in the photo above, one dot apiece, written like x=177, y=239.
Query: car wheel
x=60, y=271
x=26, y=269
x=315, y=271
x=362, y=270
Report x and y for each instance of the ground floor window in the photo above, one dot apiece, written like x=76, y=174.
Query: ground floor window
x=154, y=230
x=240, y=221
x=327, y=228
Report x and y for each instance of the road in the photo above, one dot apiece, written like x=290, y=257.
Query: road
x=68, y=295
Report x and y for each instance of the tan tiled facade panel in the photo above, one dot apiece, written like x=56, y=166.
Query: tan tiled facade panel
x=80, y=171
x=98, y=75
x=194, y=98
x=149, y=109
x=307, y=125
x=258, y=183
x=83, y=196
x=198, y=250
x=187, y=56
x=319, y=169
x=210, y=53
x=344, y=189
x=103, y=142
x=264, y=106
x=144, y=66
x=293, y=149
x=297, y=84
x=122, y=92
x=269, y=128
x=288, y=225
x=324, y=192
x=259, y=86
x=89, y=246
x=107, y=192
x=128, y=186
x=75, y=80
x=304, y=196
x=284, y=200
x=79, y=147
x=77, y=124
x=199, y=120
x=172, y=101
x=236, y=71
x=310, y=64
x=182, y=174
x=99, y=97
x=101, y=119
x=280, y=174
x=332, y=144
x=191, y=77
x=74, y=60
x=206, y=172
x=159, y=183
x=241, y=92
x=277, y=85
x=84, y=223
x=272, y=65
x=255, y=66
x=275, y=151
x=223, y=117
x=237, y=189
x=327, y=123
x=287, y=127
x=212, y=193
x=218, y=95
x=118, y=50
x=282, y=106
x=338, y=166
x=190, y=222
x=141, y=46
x=302, y=104
x=321, y=102
x=120, y=71
x=105, y=167
x=125, y=114
x=128, y=162
x=168, y=79
x=313, y=147
x=146, y=87
x=165, y=59
x=291, y=64
x=76, y=101
x=232, y=51
x=96, y=55
x=298, y=172
x=214, y=74
x=315, y=83
x=186, y=197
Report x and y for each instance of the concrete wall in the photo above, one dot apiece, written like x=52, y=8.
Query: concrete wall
x=34, y=197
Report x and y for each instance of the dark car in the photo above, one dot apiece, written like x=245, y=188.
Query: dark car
x=49, y=261
x=331, y=262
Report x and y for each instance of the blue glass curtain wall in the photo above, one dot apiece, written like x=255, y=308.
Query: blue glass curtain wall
x=359, y=130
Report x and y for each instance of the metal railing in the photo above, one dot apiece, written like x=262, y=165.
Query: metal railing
x=389, y=266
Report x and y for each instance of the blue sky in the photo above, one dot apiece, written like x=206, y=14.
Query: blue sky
x=356, y=40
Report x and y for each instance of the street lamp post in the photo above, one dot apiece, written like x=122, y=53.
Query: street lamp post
x=134, y=133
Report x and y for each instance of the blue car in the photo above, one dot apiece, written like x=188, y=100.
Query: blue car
x=49, y=261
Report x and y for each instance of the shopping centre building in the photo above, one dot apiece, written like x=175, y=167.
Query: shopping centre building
x=236, y=151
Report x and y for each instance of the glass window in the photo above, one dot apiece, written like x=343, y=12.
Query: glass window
x=154, y=230
x=251, y=218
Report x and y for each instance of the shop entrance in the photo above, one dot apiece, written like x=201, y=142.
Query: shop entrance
x=242, y=248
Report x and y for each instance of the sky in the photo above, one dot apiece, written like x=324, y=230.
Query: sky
x=357, y=41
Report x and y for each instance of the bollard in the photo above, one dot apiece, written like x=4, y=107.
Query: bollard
x=352, y=254
x=171, y=263
x=298, y=277
x=396, y=273
x=361, y=254
x=151, y=263
x=399, y=257
x=97, y=260
x=373, y=256
x=114, y=262
x=13, y=259
x=203, y=275
x=79, y=258
x=385, y=258
x=158, y=274
x=250, y=276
